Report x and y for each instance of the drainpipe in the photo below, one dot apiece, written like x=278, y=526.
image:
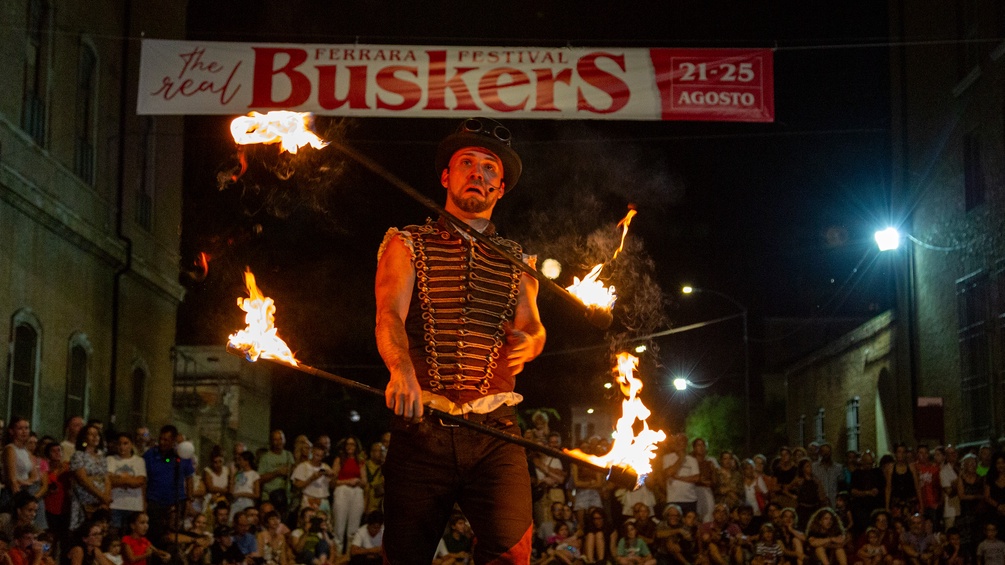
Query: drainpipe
x=120, y=216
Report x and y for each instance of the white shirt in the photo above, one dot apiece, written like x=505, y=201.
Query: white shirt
x=130, y=499
x=947, y=478
x=319, y=487
x=363, y=540
x=750, y=493
x=681, y=491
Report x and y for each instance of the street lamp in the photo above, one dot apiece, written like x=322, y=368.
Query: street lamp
x=680, y=383
x=746, y=351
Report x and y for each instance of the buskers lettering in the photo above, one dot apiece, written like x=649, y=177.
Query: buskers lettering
x=401, y=87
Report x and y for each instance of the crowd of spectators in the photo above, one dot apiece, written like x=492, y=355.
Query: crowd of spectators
x=915, y=506
x=99, y=498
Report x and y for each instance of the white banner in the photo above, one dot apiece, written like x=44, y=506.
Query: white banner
x=205, y=77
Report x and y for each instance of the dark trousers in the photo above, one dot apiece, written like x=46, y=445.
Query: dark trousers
x=431, y=466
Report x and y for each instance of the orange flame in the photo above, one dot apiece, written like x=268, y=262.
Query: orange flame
x=591, y=291
x=628, y=449
x=291, y=129
x=259, y=339
x=624, y=223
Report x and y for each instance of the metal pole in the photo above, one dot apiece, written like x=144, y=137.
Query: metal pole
x=620, y=475
x=746, y=376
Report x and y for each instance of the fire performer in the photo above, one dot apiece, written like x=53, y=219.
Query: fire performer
x=455, y=324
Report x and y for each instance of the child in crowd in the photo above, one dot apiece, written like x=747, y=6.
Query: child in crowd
x=563, y=546
x=767, y=549
x=136, y=548
x=872, y=552
x=952, y=550
x=991, y=551
x=113, y=550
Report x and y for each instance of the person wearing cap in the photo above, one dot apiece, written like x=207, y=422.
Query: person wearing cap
x=456, y=322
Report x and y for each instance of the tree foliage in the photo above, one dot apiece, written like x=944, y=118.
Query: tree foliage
x=719, y=420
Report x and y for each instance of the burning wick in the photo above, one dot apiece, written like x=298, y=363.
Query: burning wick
x=290, y=129
x=591, y=291
x=259, y=339
x=630, y=451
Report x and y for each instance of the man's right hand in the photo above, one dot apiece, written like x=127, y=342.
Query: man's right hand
x=404, y=397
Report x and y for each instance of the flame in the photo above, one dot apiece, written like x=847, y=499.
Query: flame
x=628, y=449
x=624, y=223
x=259, y=339
x=291, y=129
x=591, y=291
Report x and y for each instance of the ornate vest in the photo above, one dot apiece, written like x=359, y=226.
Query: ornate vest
x=464, y=297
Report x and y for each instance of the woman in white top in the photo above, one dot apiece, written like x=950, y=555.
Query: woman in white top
x=755, y=490
x=313, y=478
x=245, y=488
x=216, y=477
x=20, y=472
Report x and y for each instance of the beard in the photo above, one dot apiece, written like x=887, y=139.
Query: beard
x=471, y=204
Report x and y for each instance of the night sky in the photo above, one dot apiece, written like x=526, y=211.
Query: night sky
x=777, y=215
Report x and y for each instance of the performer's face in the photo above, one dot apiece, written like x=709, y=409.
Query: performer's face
x=473, y=180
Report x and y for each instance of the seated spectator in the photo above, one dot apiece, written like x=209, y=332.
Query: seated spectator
x=314, y=547
x=48, y=542
x=365, y=545
x=872, y=552
x=221, y=514
x=136, y=548
x=25, y=507
x=563, y=546
x=455, y=547
x=792, y=539
x=112, y=548
x=4, y=549
x=676, y=543
x=296, y=537
x=547, y=528
x=599, y=536
x=223, y=551
x=272, y=542
x=645, y=525
x=952, y=550
x=991, y=551
x=826, y=538
x=768, y=549
x=717, y=537
x=243, y=538
x=919, y=546
x=631, y=549
x=85, y=549
x=25, y=549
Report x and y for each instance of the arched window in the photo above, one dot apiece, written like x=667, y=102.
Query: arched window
x=77, y=376
x=25, y=351
x=36, y=62
x=138, y=403
x=84, y=120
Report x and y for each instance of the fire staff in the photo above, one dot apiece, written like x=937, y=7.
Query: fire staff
x=455, y=324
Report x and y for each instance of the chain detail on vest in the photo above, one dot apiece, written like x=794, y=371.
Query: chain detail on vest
x=467, y=293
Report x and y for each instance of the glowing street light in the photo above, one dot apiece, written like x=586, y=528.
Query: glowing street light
x=680, y=383
x=640, y=349
x=888, y=239
x=746, y=350
x=551, y=268
x=589, y=411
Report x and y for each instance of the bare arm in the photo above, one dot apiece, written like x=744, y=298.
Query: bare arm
x=393, y=290
x=10, y=468
x=527, y=336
